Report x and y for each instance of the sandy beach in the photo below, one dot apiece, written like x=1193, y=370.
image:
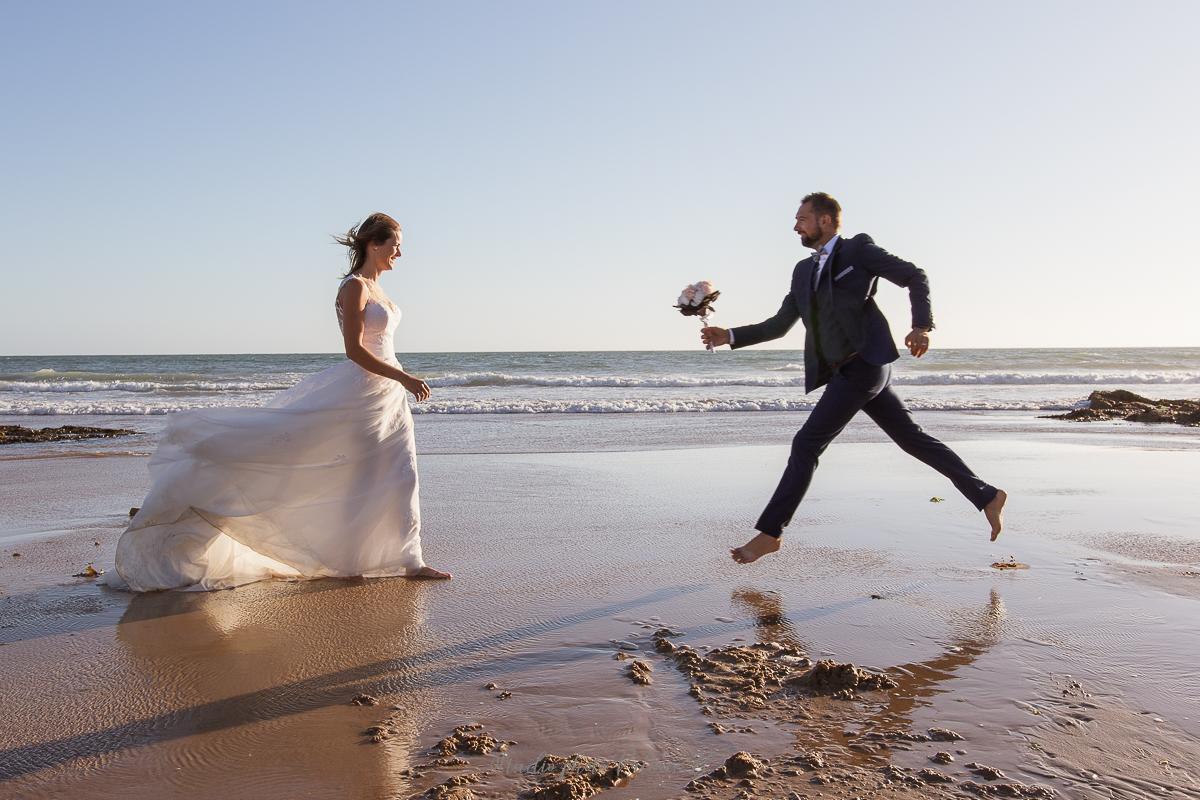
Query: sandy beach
x=544, y=295
x=1073, y=676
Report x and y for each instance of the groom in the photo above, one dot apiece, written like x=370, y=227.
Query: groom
x=849, y=349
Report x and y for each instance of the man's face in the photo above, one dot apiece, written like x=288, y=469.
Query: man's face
x=812, y=230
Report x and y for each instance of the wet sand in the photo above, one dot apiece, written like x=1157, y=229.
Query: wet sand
x=1076, y=675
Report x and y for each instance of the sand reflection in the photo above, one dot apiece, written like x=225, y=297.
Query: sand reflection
x=269, y=671
x=770, y=619
x=975, y=631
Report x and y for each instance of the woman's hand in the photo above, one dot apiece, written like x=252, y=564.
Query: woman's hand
x=418, y=387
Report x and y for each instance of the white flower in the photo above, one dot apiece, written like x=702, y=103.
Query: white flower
x=694, y=294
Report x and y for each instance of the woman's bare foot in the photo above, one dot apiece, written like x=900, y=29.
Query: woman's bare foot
x=756, y=548
x=431, y=574
x=994, y=510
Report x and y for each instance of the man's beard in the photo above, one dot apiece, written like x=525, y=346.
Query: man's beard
x=808, y=241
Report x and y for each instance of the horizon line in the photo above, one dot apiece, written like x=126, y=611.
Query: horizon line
x=656, y=350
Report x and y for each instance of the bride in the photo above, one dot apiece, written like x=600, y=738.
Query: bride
x=322, y=482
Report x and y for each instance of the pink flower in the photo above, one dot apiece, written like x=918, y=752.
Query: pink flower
x=694, y=295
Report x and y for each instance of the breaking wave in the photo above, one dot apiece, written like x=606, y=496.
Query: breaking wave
x=657, y=405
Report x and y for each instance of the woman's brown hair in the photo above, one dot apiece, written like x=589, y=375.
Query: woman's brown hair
x=374, y=229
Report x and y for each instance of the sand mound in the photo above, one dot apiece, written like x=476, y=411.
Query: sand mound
x=472, y=740
x=743, y=765
x=742, y=677
x=454, y=789
x=576, y=776
x=944, y=735
x=1008, y=790
x=841, y=681
x=639, y=672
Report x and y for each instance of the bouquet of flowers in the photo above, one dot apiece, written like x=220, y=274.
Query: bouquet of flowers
x=696, y=301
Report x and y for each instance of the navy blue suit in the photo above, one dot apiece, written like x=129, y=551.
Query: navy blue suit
x=848, y=348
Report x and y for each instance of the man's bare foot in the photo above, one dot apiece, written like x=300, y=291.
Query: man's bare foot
x=431, y=574
x=994, y=511
x=756, y=548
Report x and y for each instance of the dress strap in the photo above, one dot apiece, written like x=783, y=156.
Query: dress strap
x=337, y=301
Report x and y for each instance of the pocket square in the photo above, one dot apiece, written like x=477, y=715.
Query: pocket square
x=843, y=273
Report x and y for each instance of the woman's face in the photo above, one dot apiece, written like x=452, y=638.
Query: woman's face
x=386, y=252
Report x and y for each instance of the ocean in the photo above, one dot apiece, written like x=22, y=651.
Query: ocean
x=593, y=382
x=743, y=397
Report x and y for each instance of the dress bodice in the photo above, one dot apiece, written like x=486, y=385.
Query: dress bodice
x=380, y=318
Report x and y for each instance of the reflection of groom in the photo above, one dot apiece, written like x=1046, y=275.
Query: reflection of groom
x=849, y=349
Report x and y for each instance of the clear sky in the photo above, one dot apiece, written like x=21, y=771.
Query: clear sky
x=172, y=171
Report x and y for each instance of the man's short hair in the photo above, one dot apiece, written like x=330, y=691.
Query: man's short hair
x=823, y=204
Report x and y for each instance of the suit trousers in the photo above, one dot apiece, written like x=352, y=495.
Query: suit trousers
x=857, y=385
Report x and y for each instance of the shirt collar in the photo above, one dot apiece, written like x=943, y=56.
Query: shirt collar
x=828, y=248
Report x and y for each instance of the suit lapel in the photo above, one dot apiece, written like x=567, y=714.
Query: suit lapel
x=833, y=254
x=806, y=280
x=827, y=272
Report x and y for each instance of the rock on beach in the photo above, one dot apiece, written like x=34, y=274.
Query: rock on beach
x=17, y=434
x=1122, y=405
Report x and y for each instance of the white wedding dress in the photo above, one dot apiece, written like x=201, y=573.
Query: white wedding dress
x=322, y=482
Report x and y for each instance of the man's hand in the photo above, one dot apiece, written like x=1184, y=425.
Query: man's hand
x=917, y=341
x=714, y=337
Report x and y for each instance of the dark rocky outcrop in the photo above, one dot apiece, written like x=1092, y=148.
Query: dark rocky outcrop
x=16, y=434
x=1122, y=405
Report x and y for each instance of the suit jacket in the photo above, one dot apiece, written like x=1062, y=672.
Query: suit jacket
x=847, y=288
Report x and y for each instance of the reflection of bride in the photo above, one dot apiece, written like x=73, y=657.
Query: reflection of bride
x=322, y=482
x=224, y=676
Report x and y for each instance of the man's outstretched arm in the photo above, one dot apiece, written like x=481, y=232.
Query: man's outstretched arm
x=764, y=331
